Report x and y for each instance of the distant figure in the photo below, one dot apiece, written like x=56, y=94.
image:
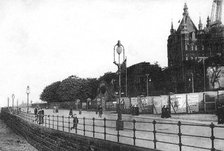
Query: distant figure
x=70, y=113
x=80, y=111
x=163, y=111
x=54, y=109
x=35, y=111
x=97, y=108
x=167, y=112
x=41, y=116
x=100, y=111
x=220, y=114
x=35, y=114
x=75, y=122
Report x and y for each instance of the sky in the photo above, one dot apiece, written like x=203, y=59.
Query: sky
x=44, y=41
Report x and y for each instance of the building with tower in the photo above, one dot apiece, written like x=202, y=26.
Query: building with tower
x=189, y=47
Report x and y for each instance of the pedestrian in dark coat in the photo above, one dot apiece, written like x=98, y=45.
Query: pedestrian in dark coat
x=163, y=112
x=75, y=122
x=70, y=113
x=35, y=111
x=100, y=111
x=35, y=114
x=219, y=113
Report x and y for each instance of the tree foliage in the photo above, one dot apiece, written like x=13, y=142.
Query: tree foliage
x=70, y=89
x=49, y=94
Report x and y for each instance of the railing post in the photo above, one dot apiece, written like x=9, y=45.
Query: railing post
x=53, y=120
x=179, y=134
x=76, y=128
x=154, y=133
x=69, y=124
x=49, y=116
x=84, y=130
x=93, y=127
x=118, y=135
x=212, y=136
x=104, y=125
x=57, y=122
x=63, y=123
x=45, y=120
x=134, y=137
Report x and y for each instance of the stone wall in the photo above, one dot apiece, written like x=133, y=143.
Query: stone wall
x=46, y=139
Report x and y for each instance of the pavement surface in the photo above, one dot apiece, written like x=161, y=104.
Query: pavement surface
x=190, y=118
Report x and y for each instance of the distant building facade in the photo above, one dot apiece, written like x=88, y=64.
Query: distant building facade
x=189, y=43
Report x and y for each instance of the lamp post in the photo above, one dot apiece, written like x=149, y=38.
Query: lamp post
x=119, y=48
x=17, y=105
x=13, y=97
x=147, y=84
x=192, y=82
x=203, y=59
x=8, y=101
x=27, y=92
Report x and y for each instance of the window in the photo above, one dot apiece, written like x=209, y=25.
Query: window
x=193, y=36
x=186, y=47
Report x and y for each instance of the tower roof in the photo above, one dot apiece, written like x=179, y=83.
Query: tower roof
x=186, y=23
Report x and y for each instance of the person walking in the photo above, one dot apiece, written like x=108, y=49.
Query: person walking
x=39, y=116
x=42, y=116
x=70, y=113
x=163, y=111
x=35, y=114
x=219, y=113
x=100, y=111
x=75, y=122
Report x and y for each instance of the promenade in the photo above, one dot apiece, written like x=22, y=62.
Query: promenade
x=195, y=129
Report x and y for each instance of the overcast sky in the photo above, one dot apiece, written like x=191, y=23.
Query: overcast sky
x=43, y=41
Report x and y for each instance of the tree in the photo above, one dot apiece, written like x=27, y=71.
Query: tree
x=108, y=77
x=74, y=88
x=215, y=76
x=49, y=93
x=69, y=89
x=93, y=84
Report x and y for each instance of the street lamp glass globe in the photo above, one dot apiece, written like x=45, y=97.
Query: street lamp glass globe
x=28, y=89
x=119, y=50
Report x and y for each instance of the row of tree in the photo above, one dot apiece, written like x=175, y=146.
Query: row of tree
x=73, y=88
x=70, y=89
x=162, y=81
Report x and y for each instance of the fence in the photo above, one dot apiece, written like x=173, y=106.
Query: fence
x=151, y=134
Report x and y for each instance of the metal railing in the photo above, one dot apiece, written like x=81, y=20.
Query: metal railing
x=151, y=134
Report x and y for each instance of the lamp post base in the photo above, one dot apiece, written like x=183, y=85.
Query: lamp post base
x=119, y=125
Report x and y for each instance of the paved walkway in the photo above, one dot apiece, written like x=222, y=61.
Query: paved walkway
x=193, y=118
